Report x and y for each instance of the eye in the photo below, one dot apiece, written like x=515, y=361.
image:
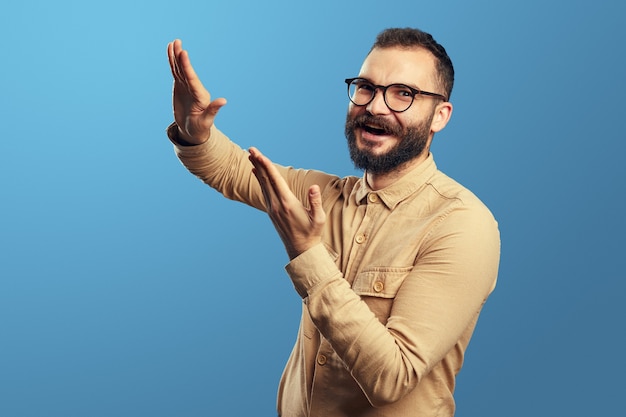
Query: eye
x=364, y=86
x=400, y=92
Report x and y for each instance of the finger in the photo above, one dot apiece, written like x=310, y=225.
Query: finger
x=254, y=158
x=174, y=50
x=258, y=169
x=188, y=74
x=263, y=183
x=183, y=71
x=170, y=58
x=315, y=203
x=267, y=169
x=273, y=186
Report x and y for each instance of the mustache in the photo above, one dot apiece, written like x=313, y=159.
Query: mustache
x=364, y=120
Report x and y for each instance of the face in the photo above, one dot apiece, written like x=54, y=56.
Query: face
x=379, y=139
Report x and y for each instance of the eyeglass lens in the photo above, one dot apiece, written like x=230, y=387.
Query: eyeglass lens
x=397, y=96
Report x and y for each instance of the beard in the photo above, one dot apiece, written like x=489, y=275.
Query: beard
x=412, y=142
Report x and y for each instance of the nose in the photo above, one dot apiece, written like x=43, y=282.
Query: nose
x=378, y=105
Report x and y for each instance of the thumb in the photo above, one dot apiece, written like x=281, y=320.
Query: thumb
x=215, y=106
x=318, y=216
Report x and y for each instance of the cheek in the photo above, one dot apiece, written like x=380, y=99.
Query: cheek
x=354, y=110
x=418, y=119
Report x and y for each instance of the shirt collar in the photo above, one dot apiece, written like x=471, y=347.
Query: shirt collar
x=406, y=185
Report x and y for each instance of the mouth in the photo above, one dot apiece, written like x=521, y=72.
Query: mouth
x=375, y=130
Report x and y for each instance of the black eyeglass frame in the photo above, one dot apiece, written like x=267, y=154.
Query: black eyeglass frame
x=383, y=88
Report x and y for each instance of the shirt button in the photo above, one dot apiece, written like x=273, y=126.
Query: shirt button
x=372, y=198
x=360, y=238
x=378, y=286
x=321, y=359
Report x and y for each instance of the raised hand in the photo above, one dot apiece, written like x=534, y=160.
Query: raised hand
x=194, y=112
x=299, y=228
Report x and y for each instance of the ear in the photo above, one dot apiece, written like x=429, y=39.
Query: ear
x=443, y=112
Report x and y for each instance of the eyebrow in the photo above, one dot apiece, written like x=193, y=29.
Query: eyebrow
x=407, y=84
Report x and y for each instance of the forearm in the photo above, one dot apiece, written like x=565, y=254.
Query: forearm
x=365, y=345
x=433, y=307
x=222, y=165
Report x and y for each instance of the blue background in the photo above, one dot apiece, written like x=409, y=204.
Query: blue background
x=128, y=288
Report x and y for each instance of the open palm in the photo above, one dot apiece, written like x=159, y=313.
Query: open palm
x=194, y=112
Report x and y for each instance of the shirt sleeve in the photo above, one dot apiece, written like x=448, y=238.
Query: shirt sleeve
x=224, y=166
x=434, y=309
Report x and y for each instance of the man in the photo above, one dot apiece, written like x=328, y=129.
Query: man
x=394, y=267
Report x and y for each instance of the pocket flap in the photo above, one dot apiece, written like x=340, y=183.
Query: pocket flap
x=381, y=282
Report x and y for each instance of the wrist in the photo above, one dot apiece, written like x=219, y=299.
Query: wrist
x=179, y=137
x=184, y=139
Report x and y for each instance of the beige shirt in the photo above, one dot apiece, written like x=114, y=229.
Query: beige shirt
x=391, y=297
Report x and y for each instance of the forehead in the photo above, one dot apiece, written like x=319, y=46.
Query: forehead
x=411, y=66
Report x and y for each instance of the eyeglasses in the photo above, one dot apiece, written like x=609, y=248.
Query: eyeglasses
x=398, y=97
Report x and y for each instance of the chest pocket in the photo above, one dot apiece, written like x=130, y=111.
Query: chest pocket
x=378, y=287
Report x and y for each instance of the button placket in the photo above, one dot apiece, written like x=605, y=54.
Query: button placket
x=369, y=211
x=362, y=237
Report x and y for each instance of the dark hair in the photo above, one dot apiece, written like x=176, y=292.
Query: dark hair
x=409, y=38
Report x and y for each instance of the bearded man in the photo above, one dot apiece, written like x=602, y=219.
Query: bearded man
x=394, y=267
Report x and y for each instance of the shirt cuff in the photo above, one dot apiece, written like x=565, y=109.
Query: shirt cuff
x=172, y=134
x=183, y=148
x=311, y=268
